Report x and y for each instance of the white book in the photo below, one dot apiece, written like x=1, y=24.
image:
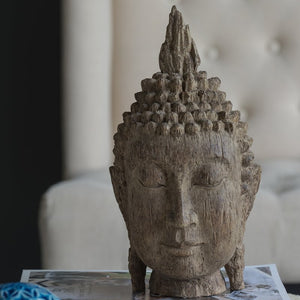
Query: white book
x=261, y=283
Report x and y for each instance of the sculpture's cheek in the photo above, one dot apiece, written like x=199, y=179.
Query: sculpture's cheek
x=146, y=222
x=220, y=217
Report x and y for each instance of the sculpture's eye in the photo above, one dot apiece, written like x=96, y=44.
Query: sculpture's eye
x=151, y=176
x=209, y=176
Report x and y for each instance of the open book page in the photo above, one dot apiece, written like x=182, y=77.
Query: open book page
x=261, y=283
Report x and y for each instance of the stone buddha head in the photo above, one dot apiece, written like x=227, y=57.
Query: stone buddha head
x=184, y=177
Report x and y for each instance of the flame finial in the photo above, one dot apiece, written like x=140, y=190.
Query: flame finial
x=178, y=54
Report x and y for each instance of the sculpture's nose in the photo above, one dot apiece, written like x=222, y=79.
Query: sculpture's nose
x=182, y=220
x=182, y=213
x=180, y=209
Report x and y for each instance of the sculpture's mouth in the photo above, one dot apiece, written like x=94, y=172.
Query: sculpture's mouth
x=181, y=250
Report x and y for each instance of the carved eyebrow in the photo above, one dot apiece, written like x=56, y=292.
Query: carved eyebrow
x=222, y=159
x=150, y=163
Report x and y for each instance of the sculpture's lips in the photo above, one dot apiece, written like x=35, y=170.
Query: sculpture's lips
x=181, y=251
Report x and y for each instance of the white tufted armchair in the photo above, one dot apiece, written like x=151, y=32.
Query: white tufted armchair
x=252, y=45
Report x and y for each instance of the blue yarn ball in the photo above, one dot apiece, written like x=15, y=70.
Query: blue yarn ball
x=24, y=291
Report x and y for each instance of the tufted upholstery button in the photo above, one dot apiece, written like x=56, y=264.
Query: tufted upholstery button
x=274, y=47
x=212, y=53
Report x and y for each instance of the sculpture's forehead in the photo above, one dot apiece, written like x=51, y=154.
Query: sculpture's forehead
x=186, y=149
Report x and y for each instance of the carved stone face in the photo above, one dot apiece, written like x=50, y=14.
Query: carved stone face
x=183, y=202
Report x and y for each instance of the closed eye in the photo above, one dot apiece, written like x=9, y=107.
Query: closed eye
x=209, y=175
x=151, y=176
x=155, y=186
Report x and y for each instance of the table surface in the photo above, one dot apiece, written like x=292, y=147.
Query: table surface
x=262, y=283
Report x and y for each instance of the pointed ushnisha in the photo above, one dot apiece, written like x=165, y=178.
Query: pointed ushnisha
x=178, y=53
x=184, y=177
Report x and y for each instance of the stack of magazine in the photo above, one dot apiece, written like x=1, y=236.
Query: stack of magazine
x=261, y=283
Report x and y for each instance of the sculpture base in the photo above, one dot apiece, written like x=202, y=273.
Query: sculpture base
x=203, y=286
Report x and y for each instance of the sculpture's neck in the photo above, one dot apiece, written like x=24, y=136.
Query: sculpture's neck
x=192, y=288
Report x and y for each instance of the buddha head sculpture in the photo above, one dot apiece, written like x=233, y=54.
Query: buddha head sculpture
x=184, y=177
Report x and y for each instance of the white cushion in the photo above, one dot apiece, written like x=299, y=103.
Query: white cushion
x=272, y=233
x=264, y=226
x=82, y=228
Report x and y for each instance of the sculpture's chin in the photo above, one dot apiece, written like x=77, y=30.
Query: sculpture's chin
x=184, y=263
x=183, y=269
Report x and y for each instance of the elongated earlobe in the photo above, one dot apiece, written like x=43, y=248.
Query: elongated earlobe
x=235, y=268
x=137, y=271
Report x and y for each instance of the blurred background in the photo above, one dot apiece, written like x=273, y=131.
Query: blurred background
x=70, y=69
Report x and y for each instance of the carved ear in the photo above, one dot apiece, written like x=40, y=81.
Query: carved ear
x=235, y=268
x=250, y=183
x=120, y=188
